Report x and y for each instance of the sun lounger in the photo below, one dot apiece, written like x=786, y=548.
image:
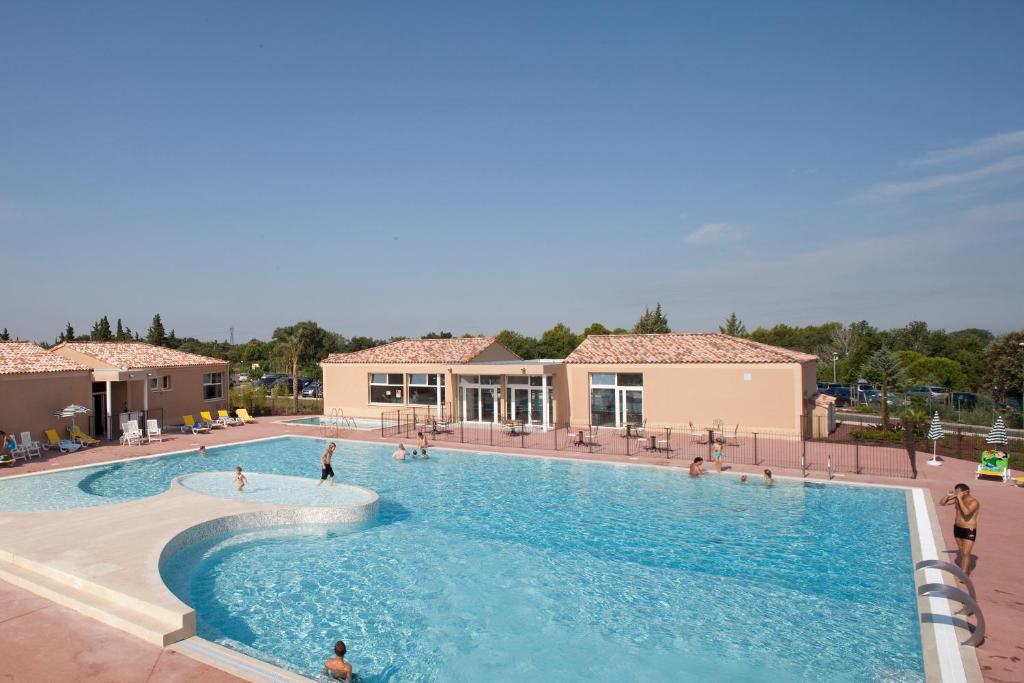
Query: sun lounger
x=193, y=426
x=29, y=447
x=244, y=415
x=207, y=418
x=225, y=418
x=53, y=440
x=994, y=464
x=77, y=435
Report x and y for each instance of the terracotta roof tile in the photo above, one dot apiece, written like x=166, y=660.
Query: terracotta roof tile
x=131, y=355
x=680, y=347
x=18, y=358
x=462, y=350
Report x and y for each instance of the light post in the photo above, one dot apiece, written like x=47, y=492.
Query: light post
x=835, y=357
x=1020, y=345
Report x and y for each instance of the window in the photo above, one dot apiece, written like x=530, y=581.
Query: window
x=616, y=400
x=423, y=389
x=166, y=383
x=386, y=387
x=213, y=386
x=154, y=383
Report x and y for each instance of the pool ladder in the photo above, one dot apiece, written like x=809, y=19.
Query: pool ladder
x=337, y=421
x=967, y=599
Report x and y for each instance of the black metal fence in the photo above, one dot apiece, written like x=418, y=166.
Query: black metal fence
x=762, y=448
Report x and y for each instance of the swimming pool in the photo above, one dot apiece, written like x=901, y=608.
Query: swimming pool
x=489, y=567
x=343, y=422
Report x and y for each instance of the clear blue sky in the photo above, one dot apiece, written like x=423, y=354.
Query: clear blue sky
x=392, y=168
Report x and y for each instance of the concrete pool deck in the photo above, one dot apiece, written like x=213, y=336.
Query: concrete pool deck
x=1000, y=540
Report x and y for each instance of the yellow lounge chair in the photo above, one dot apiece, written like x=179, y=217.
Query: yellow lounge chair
x=76, y=434
x=226, y=418
x=53, y=440
x=191, y=424
x=208, y=419
x=244, y=415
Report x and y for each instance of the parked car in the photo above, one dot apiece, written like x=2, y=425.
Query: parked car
x=964, y=400
x=841, y=394
x=314, y=389
x=869, y=395
x=928, y=393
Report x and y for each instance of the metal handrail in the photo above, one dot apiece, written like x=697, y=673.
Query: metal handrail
x=941, y=590
x=952, y=569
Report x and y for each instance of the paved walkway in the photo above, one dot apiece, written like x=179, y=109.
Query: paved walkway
x=999, y=559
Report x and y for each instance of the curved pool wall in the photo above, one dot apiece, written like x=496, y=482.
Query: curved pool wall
x=281, y=489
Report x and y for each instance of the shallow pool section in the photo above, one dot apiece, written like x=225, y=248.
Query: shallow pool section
x=489, y=567
x=340, y=422
x=276, y=488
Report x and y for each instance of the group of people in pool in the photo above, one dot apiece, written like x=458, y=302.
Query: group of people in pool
x=697, y=470
x=419, y=452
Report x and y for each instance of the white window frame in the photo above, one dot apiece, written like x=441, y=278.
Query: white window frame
x=208, y=378
x=154, y=384
x=438, y=386
x=618, y=389
x=165, y=383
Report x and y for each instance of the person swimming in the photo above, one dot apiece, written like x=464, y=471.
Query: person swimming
x=695, y=467
x=743, y=479
x=399, y=453
x=768, y=481
x=336, y=667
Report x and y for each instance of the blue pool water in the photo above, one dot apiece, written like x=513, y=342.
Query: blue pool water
x=345, y=422
x=497, y=568
x=275, y=488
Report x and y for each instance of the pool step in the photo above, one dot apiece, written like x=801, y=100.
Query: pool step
x=241, y=665
x=154, y=625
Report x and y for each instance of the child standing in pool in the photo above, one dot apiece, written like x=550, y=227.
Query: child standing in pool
x=239, y=479
x=326, y=471
x=717, y=455
x=202, y=450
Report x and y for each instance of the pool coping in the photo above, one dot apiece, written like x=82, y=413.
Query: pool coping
x=944, y=658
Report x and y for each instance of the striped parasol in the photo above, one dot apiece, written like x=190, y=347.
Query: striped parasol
x=997, y=435
x=71, y=411
x=935, y=433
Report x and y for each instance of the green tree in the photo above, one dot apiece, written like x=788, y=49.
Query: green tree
x=733, y=327
x=123, y=333
x=291, y=345
x=101, y=330
x=5, y=335
x=620, y=330
x=360, y=343
x=943, y=372
x=595, y=328
x=67, y=335
x=156, y=334
x=519, y=344
x=885, y=369
x=437, y=335
x=652, y=322
x=1004, y=360
x=558, y=342
x=172, y=340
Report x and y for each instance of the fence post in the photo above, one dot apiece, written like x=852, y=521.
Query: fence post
x=959, y=441
x=803, y=456
x=829, y=466
x=462, y=432
x=856, y=456
x=490, y=432
x=522, y=435
x=755, y=448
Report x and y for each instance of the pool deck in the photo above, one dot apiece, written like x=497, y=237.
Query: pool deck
x=96, y=650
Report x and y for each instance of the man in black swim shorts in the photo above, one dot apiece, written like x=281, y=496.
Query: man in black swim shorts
x=965, y=528
x=325, y=464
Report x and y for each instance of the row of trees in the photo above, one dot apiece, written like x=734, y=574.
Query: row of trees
x=969, y=359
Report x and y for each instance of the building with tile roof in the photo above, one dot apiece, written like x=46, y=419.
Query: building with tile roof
x=34, y=384
x=137, y=380
x=459, y=350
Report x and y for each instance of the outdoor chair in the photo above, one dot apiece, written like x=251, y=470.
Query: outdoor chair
x=192, y=426
x=131, y=434
x=153, y=432
x=664, y=444
x=30, y=447
x=53, y=440
x=226, y=418
x=76, y=434
x=244, y=415
x=994, y=464
x=207, y=418
x=733, y=440
x=699, y=435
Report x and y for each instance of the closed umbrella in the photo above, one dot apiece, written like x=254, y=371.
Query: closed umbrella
x=935, y=433
x=997, y=435
x=71, y=411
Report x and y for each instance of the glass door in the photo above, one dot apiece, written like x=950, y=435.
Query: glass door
x=471, y=404
x=631, y=402
x=488, y=404
x=536, y=407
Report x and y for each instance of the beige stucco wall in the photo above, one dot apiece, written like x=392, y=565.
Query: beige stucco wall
x=28, y=402
x=495, y=352
x=185, y=396
x=346, y=385
x=755, y=396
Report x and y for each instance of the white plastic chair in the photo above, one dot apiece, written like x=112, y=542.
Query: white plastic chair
x=153, y=432
x=29, y=447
